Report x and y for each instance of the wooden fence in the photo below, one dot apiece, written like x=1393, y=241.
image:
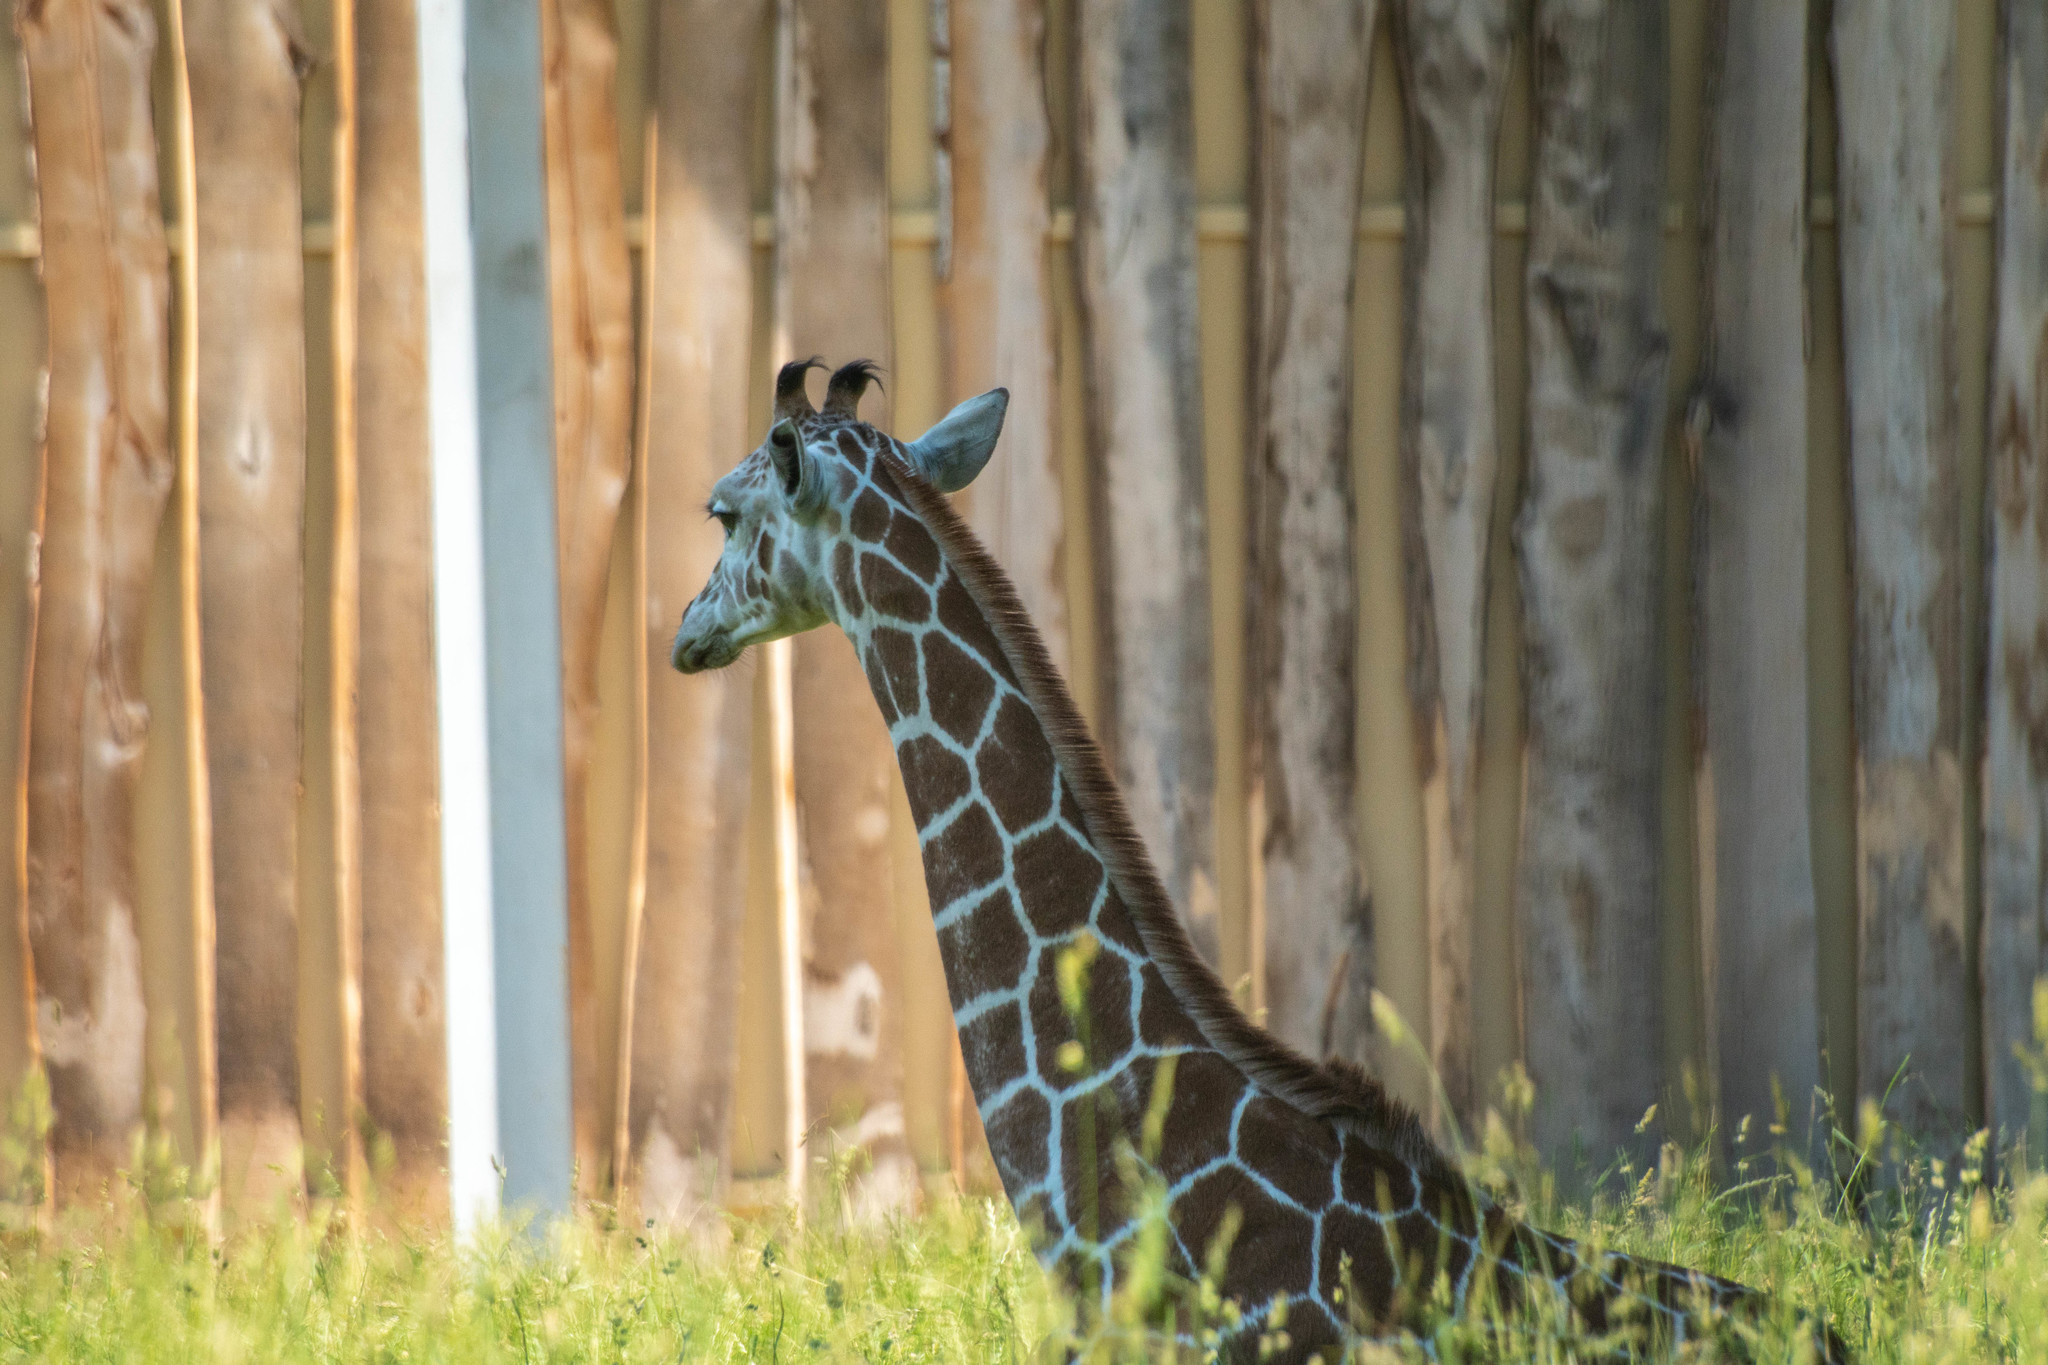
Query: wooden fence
x=1542, y=502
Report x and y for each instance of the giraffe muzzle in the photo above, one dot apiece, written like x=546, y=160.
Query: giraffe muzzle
x=703, y=646
x=704, y=653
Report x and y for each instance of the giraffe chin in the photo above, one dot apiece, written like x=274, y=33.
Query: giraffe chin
x=705, y=653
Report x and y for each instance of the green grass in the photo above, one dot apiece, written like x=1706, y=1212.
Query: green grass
x=1910, y=1258
x=1940, y=1268
x=957, y=1285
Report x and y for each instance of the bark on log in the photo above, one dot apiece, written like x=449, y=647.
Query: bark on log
x=108, y=468
x=1756, y=891
x=1310, y=75
x=832, y=299
x=995, y=308
x=1590, y=535
x=700, y=299
x=1894, y=63
x=405, y=1051
x=2015, y=946
x=1454, y=65
x=1135, y=251
x=245, y=61
x=591, y=306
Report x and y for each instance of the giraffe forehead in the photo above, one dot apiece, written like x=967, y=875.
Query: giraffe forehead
x=747, y=477
x=850, y=450
x=856, y=445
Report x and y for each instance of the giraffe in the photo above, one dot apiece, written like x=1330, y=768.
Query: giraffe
x=1338, y=1211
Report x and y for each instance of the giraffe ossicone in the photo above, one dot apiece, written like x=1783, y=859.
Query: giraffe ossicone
x=1330, y=1196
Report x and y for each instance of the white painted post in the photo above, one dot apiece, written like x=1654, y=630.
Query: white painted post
x=458, y=620
x=497, y=636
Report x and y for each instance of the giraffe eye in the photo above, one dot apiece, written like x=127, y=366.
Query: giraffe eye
x=725, y=517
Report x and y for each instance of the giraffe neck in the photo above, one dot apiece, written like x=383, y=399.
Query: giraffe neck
x=1027, y=851
x=923, y=600
x=1015, y=876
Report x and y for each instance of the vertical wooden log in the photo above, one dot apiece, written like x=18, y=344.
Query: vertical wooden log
x=959, y=1103
x=832, y=299
x=1310, y=69
x=344, y=625
x=23, y=367
x=619, y=1136
x=1454, y=65
x=789, y=929
x=404, y=1037
x=108, y=467
x=204, y=1068
x=1894, y=64
x=2015, y=945
x=591, y=311
x=1135, y=251
x=1590, y=538
x=700, y=303
x=997, y=327
x=245, y=61
x=995, y=311
x=1756, y=892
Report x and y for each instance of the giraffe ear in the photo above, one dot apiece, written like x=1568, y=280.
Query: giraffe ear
x=953, y=452
x=795, y=468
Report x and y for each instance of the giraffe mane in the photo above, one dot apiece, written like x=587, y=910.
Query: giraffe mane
x=1337, y=1091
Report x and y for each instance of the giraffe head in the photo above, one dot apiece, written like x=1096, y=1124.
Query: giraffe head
x=790, y=503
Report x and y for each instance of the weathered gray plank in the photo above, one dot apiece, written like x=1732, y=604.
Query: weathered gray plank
x=1756, y=892
x=1590, y=541
x=1135, y=250
x=245, y=59
x=1454, y=60
x=832, y=299
x=699, y=313
x=1310, y=68
x=405, y=1050
x=1894, y=64
x=2015, y=945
